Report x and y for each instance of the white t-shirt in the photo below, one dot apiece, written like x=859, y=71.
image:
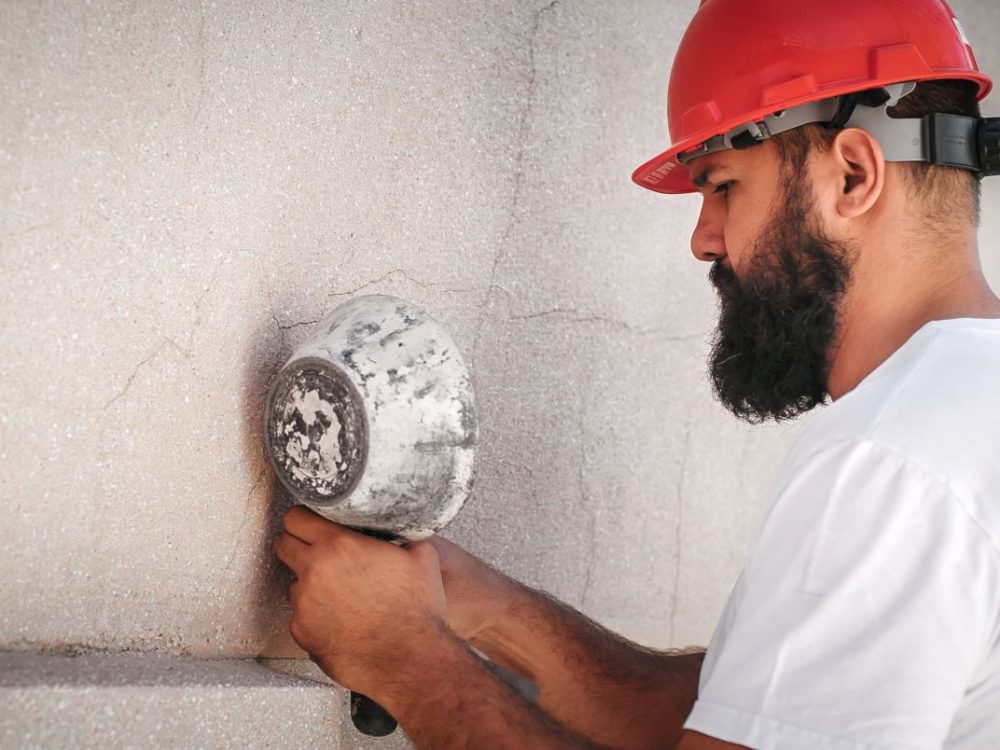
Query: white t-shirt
x=867, y=615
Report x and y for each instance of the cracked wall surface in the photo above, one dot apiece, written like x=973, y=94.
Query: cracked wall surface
x=188, y=187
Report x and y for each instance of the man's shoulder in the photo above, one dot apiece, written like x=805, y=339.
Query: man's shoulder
x=931, y=409
x=941, y=384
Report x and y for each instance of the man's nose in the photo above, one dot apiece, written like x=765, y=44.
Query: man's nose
x=707, y=240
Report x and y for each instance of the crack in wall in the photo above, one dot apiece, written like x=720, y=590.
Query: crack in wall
x=279, y=352
x=167, y=341
x=516, y=194
x=201, y=65
x=282, y=347
x=578, y=318
x=209, y=285
x=591, y=545
x=243, y=523
x=188, y=337
x=678, y=529
x=405, y=275
x=296, y=324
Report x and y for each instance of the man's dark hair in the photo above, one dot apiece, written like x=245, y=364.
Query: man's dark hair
x=944, y=192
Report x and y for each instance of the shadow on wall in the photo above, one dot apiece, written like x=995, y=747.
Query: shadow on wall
x=265, y=611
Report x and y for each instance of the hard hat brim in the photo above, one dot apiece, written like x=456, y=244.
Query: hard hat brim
x=665, y=174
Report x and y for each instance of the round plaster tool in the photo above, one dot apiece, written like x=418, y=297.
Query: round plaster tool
x=371, y=423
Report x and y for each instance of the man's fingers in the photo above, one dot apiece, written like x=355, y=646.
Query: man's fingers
x=306, y=525
x=311, y=527
x=291, y=551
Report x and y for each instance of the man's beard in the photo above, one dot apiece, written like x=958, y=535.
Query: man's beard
x=772, y=349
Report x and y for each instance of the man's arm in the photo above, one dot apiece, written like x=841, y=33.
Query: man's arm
x=472, y=708
x=590, y=679
x=375, y=617
x=475, y=709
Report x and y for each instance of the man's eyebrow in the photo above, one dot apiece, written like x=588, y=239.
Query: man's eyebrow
x=700, y=180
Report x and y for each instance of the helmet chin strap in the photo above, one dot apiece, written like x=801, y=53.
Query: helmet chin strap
x=952, y=140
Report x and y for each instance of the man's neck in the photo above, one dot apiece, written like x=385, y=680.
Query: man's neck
x=876, y=321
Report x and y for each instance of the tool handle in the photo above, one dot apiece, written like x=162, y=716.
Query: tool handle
x=369, y=717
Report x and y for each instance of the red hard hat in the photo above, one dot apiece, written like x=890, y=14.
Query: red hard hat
x=742, y=60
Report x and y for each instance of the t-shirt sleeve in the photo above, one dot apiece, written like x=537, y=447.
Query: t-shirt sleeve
x=867, y=601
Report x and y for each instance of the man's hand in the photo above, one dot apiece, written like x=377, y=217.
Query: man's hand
x=359, y=602
x=360, y=605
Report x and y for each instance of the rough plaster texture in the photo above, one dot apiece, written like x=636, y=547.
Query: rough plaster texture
x=154, y=700
x=187, y=186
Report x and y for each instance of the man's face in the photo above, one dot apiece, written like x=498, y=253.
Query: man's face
x=778, y=306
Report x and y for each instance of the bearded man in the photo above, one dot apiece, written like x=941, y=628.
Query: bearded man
x=838, y=152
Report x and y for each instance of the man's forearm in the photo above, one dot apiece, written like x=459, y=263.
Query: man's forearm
x=472, y=709
x=591, y=680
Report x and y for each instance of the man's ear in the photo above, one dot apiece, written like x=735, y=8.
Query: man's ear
x=858, y=166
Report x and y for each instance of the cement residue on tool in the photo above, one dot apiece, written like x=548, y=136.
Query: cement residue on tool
x=316, y=431
x=312, y=430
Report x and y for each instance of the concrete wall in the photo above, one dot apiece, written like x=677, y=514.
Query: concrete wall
x=187, y=186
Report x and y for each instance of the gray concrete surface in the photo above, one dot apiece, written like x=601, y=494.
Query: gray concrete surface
x=130, y=700
x=186, y=186
x=153, y=700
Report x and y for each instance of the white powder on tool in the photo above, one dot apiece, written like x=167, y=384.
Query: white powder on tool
x=314, y=455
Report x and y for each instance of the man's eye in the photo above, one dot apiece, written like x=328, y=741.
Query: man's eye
x=723, y=188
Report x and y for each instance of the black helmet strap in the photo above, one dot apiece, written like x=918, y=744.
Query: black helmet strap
x=949, y=140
